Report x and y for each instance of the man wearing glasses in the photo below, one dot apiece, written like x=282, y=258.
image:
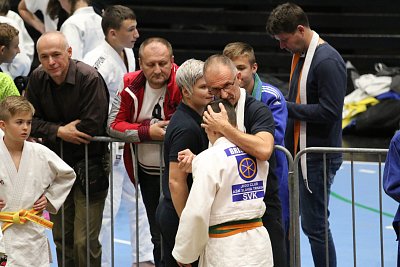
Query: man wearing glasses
x=254, y=135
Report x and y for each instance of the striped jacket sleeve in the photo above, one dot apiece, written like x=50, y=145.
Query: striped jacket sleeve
x=122, y=119
x=277, y=104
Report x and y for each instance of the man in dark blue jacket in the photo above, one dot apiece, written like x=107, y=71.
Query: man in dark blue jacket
x=315, y=103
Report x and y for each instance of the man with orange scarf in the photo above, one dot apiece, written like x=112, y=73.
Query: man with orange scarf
x=315, y=104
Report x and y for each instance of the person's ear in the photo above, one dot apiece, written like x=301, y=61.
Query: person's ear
x=239, y=76
x=111, y=33
x=186, y=93
x=69, y=51
x=254, y=68
x=172, y=59
x=2, y=48
x=301, y=29
x=2, y=124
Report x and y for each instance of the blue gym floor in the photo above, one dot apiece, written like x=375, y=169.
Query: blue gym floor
x=367, y=222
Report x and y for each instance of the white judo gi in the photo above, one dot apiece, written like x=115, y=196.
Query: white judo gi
x=106, y=60
x=22, y=62
x=40, y=171
x=83, y=31
x=41, y=5
x=228, y=185
x=111, y=66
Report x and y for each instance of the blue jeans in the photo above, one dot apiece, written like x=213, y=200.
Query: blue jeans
x=312, y=209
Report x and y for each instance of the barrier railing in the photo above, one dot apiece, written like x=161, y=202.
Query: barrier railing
x=112, y=142
x=295, y=259
x=134, y=147
x=294, y=212
x=293, y=178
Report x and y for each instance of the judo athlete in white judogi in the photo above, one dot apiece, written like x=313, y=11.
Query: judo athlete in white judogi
x=28, y=171
x=27, y=10
x=82, y=28
x=21, y=65
x=221, y=221
x=113, y=59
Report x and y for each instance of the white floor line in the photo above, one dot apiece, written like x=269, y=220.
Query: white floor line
x=125, y=242
x=347, y=162
x=367, y=171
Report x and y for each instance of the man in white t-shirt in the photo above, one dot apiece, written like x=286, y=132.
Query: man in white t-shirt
x=140, y=112
x=113, y=58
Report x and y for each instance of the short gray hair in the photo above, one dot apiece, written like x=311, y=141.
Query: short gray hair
x=188, y=73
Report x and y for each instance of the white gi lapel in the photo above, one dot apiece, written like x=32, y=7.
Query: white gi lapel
x=8, y=164
x=15, y=181
x=240, y=110
x=303, y=100
x=131, y=59
x=135, y=101
x=23, y=169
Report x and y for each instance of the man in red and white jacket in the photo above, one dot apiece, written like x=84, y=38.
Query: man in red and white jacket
x=141, y=112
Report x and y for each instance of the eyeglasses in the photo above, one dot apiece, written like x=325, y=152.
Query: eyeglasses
x=225, y=88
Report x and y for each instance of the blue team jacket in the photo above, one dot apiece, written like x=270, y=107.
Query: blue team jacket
x=391, y=180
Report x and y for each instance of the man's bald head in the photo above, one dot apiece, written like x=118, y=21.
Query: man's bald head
x=54, y=53
x=55, y=36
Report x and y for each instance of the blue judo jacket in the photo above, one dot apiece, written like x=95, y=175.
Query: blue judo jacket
x=272, y=97
x=391, y=181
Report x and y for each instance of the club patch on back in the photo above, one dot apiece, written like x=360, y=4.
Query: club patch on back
x=247, y=170
x=247, y=191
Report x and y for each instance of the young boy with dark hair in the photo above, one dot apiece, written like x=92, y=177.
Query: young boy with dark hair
x=28, y=172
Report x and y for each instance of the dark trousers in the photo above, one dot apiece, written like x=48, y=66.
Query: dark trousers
x=272, y=219
x=276, y=234
x=168, y=222
x=312, y=209
x=150, y=188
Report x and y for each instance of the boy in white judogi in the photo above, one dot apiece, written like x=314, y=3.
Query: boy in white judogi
x=21, y=65
x=27, y=10
x=28, y=172
x=221, y=221
x=113, y=58
x=82, y=28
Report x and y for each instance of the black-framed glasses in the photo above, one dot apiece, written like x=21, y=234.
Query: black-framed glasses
x=225, y=88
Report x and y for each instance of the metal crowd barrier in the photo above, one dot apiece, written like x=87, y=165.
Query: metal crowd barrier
x=295, y=259
x=292, y=197
x=293, y=178
x=111, y=142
